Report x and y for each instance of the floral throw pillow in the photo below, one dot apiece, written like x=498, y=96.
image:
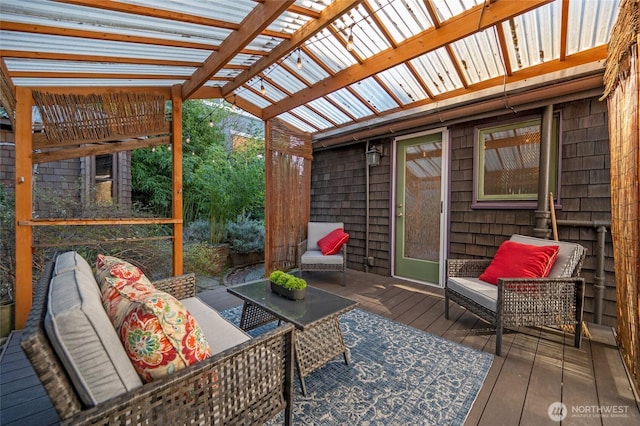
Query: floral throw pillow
x=160, y=336
x=120, y=282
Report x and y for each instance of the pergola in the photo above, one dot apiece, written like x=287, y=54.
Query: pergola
x=318, y=72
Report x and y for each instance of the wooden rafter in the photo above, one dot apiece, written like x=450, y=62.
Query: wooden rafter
x=252, y=25
x=563, y=29
x=383, y=28
x=463, y=25
x=502, y=41
x=456, y=66
x=432, y=13
x=336, y=9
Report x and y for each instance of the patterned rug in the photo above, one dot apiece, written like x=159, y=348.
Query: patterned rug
x=398, y=375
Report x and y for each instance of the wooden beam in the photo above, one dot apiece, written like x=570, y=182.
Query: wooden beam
x=99, y=221
x=463, y=25
x=101, y=149
x=250, y=27
x=564, y=17
x=24, y=206
x=94, y=75
x=176, y=202
x=328, y=15
x=502, y=40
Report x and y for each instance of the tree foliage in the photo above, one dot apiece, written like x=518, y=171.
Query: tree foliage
x=220, y=181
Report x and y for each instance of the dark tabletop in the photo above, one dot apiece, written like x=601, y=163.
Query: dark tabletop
x=317, y=304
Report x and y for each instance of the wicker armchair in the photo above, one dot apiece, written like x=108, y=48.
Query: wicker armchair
x=532, y=302
x=247, y=384
x=310, y=257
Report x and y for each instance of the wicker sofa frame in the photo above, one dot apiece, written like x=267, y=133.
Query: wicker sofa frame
x=247, y=384
x=529, y=302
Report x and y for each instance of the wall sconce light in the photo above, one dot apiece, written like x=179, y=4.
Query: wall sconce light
x=373, y=156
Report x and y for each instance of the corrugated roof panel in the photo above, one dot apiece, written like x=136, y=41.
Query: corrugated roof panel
x=313, y=118
x=403, y=19
x=479, y=56
x=253, y=98
x=14, y=64
x=367, y=37
x=534, y=37
x=437, y=71
x=272, y=93
x=374, y=94
x=97, y=82
x=92, y=19
x=310, y=71
x=287, y=80
x=350, y=103
x=446, y=9
x=296, y=122
x=330, y=51
x=230, y=11
x=590, y=23
x=81, y=46
x=403, y=84
x=327, y=108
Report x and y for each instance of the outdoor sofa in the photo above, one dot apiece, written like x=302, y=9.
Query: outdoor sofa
x=84, y=370
x=555, y=300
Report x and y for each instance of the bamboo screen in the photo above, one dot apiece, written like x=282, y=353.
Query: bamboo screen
x=100, y=117
x=7, y=96
x=622, y=82
x=288, y=182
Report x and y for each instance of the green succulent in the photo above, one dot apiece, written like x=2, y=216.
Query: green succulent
x=287, y=281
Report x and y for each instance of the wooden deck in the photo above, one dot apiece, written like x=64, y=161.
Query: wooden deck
x=538, y=366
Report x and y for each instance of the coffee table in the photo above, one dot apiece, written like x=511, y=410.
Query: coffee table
x=318, y=336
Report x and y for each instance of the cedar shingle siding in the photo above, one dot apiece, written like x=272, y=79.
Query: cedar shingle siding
x=338, y=193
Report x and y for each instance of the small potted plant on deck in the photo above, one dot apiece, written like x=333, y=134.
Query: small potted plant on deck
x=287, y=285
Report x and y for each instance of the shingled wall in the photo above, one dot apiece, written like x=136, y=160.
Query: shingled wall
x=338, y=194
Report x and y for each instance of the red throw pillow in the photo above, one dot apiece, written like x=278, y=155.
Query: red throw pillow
x=516, y=260
x=333, y=241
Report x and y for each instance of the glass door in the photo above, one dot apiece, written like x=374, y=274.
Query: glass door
x=420, y=208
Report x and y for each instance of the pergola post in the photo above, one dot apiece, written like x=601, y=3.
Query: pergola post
x=176, y=142
x=24, y=205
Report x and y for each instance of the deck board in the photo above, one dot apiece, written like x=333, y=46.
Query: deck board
x=538, y=366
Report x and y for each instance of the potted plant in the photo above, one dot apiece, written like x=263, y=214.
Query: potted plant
x=246, y=238
x=7, y=266
x=287, y=285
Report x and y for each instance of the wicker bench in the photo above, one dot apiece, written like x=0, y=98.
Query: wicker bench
x=247, y=384
x=531, y=302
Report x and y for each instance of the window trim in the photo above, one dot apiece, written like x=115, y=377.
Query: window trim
x=498, y=202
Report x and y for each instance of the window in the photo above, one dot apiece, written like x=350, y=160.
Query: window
x=104, y=180
x=507, y=164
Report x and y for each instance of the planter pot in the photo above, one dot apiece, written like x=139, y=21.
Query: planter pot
x=6, y=319
x=245, y=259
x=288, y=294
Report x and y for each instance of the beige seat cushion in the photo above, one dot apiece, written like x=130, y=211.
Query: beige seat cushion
x=85, y=341
x=316, y=257
x=483, y=293
x=219, y=332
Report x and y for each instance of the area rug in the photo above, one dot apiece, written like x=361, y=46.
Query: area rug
x=398, y=375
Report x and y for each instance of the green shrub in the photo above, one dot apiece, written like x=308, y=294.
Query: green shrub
x=245, y=235
x=287, y=281
x=198, y=232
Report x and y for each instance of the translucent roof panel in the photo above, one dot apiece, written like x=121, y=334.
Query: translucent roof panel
x=311, y=117
x=310, y=72
x=272, y=92
x=329, y=110
x=376, y=96
x=288, y=81
x=81, y=46
x=403, y=19
x=350, y=103
x=95, y=67
x=296, y=122
x=479, y=56
x=447, y=9
x=331, y=52
x=253, y=98
x=534, y=37
x=368, y=39
x=590, y=23
x=437, y=71
x=224, y=10
x=403, y=84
